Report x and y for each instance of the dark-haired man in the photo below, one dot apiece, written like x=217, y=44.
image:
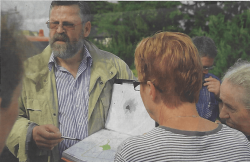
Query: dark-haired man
x=67, y=88
x=208, y=104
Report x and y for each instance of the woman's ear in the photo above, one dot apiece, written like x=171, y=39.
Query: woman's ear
x=87, y=29
x=152, y=90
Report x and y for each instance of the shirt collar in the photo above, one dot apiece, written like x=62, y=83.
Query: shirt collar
x=86, y=56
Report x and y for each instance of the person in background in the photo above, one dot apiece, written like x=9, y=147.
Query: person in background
x=11, y=78
x=208, y=103
x=170, y=77
x=235, y=96
x=67, y=88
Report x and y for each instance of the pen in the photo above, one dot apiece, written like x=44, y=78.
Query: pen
x=70, y=138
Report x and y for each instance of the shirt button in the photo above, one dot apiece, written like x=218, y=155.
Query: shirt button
x=54, y=114
x=77, y=106
x=79, y=123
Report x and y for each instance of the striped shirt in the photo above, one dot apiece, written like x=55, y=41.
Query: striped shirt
x=207, y=105
x=167, y=144
x=73, y=97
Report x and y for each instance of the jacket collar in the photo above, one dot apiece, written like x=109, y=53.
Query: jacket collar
x=36, y=67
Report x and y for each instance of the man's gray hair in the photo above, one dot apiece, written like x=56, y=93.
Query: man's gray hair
x=85, y=12
x=206, y=46
x=239, y=75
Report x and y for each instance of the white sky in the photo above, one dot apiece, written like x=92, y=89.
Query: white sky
x=34, y=13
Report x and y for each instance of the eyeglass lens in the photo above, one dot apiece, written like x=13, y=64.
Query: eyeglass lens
x=136, y=86
x=208, y=67
x=66, y=25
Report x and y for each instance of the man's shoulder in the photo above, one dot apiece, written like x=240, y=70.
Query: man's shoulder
x=38, y=61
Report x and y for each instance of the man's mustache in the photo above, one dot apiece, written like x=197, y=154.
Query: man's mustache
x=60, y=37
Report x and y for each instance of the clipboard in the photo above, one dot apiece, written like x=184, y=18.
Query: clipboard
x=127, y=113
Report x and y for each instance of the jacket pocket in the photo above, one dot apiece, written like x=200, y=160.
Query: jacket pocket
x=34, y=111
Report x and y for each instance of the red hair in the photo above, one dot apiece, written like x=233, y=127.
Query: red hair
x=171, y=61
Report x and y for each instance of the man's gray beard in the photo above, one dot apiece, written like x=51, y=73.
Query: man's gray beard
x=65, y=51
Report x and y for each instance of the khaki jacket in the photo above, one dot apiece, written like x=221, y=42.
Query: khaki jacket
x=39, y=103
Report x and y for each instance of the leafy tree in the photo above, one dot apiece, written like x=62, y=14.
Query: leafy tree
x=127, y=22
x=131, y=21
x=231, y=38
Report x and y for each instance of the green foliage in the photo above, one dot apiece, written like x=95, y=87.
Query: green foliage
x=131, y=21
x=231, y=38
x=127, y=22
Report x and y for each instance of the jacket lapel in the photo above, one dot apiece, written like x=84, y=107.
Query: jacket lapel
x=101, y=71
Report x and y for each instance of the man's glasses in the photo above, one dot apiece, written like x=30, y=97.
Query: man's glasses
x=208, y=67
x=137, y=86
x=65, y=25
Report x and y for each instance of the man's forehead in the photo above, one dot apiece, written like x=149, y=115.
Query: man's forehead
x=230, y=94
x=65, y=11
x=207, y=61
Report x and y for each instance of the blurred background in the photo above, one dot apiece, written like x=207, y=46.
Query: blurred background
x=118, y=26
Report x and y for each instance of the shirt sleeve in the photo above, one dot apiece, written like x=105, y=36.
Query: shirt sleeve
x=30, y=146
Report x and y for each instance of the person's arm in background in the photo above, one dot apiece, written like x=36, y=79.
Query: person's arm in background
x=213, y=85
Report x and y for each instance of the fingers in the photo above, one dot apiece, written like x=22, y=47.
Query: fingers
x=51, y=132
x=211, y=80
x=48, y=132
x=46, y=136
x=46, y=145
x=213, y=85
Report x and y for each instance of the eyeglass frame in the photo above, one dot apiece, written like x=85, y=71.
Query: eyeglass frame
x=63, y=24
x=137, y=83
x=208, y=67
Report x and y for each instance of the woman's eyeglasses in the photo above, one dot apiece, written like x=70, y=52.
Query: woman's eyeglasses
x=137, y=86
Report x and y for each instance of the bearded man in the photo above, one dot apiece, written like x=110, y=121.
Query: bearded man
x=66, y=89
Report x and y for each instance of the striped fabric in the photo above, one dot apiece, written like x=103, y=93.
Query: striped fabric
x=167, y=144
x=207, y=105
x=73, y=99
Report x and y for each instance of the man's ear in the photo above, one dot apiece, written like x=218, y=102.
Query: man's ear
x=87, y=29
x=152, y=90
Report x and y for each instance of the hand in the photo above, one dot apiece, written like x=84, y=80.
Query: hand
x=217, y=121
x=46, y=136
x=213, y=85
